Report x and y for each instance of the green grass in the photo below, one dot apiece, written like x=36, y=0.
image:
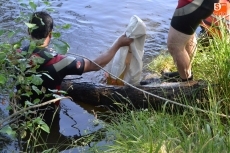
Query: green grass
x=162, y=63
x=149, y=131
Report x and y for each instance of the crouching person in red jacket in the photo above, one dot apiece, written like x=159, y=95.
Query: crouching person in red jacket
x=58, y=66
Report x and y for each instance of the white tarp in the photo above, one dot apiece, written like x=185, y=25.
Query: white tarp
x=136, y=29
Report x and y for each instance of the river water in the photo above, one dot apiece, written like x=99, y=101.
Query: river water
x=95, y=26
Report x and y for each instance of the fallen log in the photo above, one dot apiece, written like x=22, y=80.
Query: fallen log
x=190, y=93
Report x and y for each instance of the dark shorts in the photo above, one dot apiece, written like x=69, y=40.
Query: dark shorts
x=188, y=15
x=59, y=67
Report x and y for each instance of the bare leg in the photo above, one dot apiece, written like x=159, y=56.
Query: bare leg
x=177, y=45
x=191, y=46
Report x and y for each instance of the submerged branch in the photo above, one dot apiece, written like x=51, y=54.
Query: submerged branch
x=28, y=108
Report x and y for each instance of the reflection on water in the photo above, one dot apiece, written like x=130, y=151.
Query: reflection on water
x=95, y=26
x=72, y=128
x=76, y=120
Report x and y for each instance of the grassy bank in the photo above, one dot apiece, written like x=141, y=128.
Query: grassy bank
x=147, y=131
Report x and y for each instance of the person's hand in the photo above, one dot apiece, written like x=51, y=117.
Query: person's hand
x=124, y=41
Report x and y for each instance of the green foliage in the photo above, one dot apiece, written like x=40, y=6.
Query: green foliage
x=30, y=25
x=1, y=32
x=56, y=34
x=8, y=130
x=32, y=5
x=60, y=47
x=66, y=26
x=2, y=79
x=20, y=69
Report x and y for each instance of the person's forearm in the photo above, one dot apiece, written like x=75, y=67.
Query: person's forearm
x=106, y=57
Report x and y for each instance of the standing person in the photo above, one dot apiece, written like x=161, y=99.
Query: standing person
x=181, y=37
x=58, y=66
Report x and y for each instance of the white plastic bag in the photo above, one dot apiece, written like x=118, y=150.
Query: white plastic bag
x=136, y=29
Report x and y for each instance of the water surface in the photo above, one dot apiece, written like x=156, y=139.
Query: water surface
x=95, y=26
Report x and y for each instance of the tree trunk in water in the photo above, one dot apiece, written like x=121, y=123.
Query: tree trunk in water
x=190, y=93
